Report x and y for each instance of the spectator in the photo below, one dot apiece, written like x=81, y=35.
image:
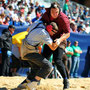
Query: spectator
x=2, y=18
x=65, y=8
x=6, y=22
x=73, y=26
x=75, y=60
x=69, y=53
x=81, y=29
x=87, y=28
x=6, y=40
x=77, y=21
x=1, y=8
x=76, y=11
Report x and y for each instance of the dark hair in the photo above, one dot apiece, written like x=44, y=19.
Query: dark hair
x=11, y=26
x=55, y=5
x=54, y=26
x=68, y=41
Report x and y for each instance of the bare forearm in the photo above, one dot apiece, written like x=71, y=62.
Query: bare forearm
x=64, y=36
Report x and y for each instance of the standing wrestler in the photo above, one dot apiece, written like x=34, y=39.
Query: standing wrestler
x=54, y=14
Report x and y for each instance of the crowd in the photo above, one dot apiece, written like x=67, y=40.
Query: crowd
x=24, y=13
x=79, y=17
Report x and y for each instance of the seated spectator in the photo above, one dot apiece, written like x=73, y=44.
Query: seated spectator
x=82, y=23
x=43, y=9
x=73, y=26
x=38, y=12
x=77, y=21
x=87, y=28
x=81, y=29
x=2, y=19
x=27, y=22
x=36, y=4
x=11, y=11
x=1, y=8
x=86, y=13
x=6, y=22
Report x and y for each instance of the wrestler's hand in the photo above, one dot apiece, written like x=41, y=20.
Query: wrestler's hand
x=57, y=41
x=49, y=28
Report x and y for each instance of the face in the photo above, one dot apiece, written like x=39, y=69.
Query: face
x=76, y=43
x=11, y=30
x=54, y=12
x=69, y=44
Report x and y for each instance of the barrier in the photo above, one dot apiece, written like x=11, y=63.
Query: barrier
x=84, y=42
x=83, y=39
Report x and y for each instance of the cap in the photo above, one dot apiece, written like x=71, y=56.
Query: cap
x=11, y=26
x=87, y=8
x=67, y=0
x=87, y=23
x=81, y=26
x=74, y=18
x=54, y=26
x=81, y=20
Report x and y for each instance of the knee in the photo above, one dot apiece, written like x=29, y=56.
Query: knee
x=49, y=67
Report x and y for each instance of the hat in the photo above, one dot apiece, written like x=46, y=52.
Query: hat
x=67, y=0
x=87, y=8
x=82, y=27
x=54, y=26
x=11, y=26
x=87, y=23
x=81, y=20
x=74, y=18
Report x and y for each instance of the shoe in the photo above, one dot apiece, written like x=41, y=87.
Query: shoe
x=33, y=85
x=66, y=84
x=76, y=75
x=23, y=85
x=71, y=76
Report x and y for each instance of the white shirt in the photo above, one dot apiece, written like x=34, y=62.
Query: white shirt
x=38, y=35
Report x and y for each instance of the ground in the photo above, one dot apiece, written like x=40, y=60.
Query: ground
x=10, y=83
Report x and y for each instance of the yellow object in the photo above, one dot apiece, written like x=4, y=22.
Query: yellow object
x=17, y=39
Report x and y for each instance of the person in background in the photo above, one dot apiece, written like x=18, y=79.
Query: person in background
x=6, y=22
x=69, y=53
x=87, y=28
x=54, y=14
x=75, y=60
x=1, y=8
x=6, y=40
x=65, y=8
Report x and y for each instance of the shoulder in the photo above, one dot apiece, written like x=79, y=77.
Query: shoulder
x=5, y=30
x=62, y=16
